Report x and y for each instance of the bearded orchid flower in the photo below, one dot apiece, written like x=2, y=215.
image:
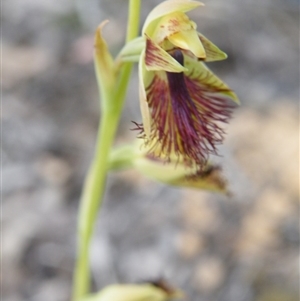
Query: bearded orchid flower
x=183, y=103
x=183, y=107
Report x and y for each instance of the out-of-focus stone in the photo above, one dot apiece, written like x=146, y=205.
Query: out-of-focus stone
x=22, y=63
x=198, y=213
x=82, y=50
x=54, y=170
x=209, y=275
x=267, y=145
x=257, y=236
x=259, y=231
x=17, y=177
x=189, y=244
x=52, y=290
x=274, y=204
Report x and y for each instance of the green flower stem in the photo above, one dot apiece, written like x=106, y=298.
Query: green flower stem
x=94, y=185
x=133, y=19
x=90, y=202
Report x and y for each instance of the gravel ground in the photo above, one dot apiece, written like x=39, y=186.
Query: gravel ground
x=239, y=248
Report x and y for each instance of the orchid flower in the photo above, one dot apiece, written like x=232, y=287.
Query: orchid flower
x=182, y=101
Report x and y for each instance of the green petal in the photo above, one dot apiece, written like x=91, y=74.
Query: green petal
x=132, y=50
x=157, y=59
x=213, y=53
x=165, y=8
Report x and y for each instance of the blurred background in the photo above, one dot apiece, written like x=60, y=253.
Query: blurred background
x=239, y=248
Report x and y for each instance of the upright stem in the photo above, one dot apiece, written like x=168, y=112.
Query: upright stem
x=94, y=185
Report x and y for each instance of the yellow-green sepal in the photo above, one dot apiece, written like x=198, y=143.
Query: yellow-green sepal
x=177, y=174
x=210, y=179
x=104, y=67
x=173, y=172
